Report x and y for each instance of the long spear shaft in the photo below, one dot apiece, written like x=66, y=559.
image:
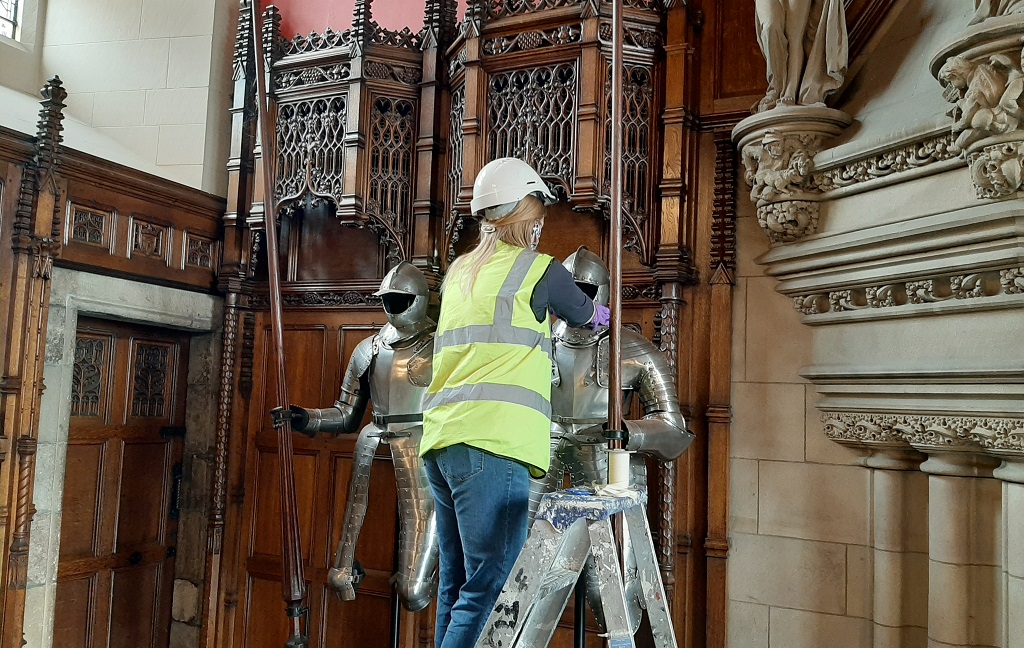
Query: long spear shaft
x=615, y=270
x=615, y=257
x=293, y=580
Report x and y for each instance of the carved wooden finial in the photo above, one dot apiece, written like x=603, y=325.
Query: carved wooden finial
x=362, y=26
x=475, y=15
x=272, y=34
x=242, y=59
x=49, y=126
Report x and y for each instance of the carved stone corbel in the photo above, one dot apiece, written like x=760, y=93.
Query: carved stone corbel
x=983, y=77
x=778, y=148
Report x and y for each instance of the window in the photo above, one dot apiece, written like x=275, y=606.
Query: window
x=9, y=18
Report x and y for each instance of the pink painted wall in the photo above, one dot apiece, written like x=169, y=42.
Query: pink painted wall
x=305, y=16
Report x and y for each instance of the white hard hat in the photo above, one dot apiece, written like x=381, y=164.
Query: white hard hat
x=506, y=181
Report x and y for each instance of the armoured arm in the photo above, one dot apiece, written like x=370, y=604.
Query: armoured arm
x=350, y=407
x=662, y=432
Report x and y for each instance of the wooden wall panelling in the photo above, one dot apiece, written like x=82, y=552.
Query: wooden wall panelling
x=34, y=229
x=722, y=263
x=108, y=231
x=317, y=347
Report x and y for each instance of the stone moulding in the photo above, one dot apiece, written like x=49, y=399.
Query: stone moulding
x=967, y=259
x=927, y=154
x=1000, y=437
x=931, y=290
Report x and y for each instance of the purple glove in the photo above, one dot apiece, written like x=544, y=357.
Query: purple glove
x=602, y=316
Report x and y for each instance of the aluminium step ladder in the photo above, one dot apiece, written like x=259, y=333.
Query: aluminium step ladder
x=569, y=528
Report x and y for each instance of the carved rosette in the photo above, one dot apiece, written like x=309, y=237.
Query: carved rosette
x=778, y=148
x=982, y=75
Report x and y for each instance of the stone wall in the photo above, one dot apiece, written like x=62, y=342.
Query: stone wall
x=878, y=378
x=77, y=293
x=154, y=76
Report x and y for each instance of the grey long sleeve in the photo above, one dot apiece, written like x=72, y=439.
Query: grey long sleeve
x=558, y=292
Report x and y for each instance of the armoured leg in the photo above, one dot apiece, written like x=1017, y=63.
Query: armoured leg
x=341, y=575
x=417, y=558
x=551, y=481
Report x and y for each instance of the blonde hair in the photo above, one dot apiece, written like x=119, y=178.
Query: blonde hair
x=514, y=229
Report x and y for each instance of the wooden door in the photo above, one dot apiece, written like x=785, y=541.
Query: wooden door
x=119, y=521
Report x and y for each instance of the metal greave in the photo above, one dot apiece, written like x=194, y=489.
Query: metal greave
x=415, y=579
x=340, y=576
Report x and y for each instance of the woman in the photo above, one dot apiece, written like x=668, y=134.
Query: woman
x=487, y=411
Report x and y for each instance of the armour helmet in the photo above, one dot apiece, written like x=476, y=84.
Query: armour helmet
x=405, y=295
x=591, y=274
x=502, y=183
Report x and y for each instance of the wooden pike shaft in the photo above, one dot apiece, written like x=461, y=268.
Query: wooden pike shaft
x=292, y=578
x=615, y=257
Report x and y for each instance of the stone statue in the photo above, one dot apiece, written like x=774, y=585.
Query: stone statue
x=805, y=45
x=986, y=96
x=993, y=8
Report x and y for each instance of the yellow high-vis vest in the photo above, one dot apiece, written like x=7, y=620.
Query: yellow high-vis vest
x=491, y=385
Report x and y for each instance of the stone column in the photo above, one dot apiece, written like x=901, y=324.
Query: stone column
x=899, y=514
x=900, y=542
x=964, y=550
x=1011, y=472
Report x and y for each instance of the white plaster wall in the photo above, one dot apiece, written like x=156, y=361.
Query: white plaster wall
x=152, y=75
x=19, y=59
x=77, y=293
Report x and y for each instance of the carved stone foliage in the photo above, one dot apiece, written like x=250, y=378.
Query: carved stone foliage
x=983, y=77
x=789, y=220
x=998, y=171
x=923, y=290
x=392, y=128
x=904, y=158
x=778, y=149
x=528, y=40
x=310, y=147
x=531, y=115
x=928, y=433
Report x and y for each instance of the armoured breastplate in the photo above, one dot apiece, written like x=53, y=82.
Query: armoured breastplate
x=579, y=383
x=398, y=377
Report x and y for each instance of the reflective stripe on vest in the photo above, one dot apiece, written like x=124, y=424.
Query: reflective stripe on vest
x=489, y=392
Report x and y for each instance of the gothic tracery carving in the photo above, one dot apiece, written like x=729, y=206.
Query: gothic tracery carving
x=310, y=147
x=531, y=114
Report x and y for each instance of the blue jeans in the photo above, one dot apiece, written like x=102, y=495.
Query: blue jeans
x=481, y=502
